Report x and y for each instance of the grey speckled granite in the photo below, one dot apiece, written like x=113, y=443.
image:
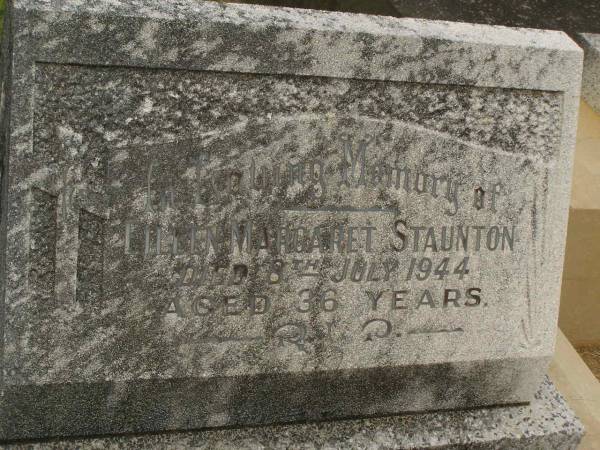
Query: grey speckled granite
x=590, y=82
x=217, y=215
x=546, y=423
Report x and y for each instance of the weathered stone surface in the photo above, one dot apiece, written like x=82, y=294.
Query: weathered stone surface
x=547, y=422
x=590, y=82
x=222, y=215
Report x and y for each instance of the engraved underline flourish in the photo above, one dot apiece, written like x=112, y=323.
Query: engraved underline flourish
x=454, y=330
x=219, y=339
x=341, y=209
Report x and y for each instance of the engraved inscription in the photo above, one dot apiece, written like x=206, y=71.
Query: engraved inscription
x=354, y=229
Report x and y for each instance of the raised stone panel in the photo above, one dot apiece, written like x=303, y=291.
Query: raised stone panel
x=241, y=218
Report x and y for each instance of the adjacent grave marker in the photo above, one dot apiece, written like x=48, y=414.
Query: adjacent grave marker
x=224, y=215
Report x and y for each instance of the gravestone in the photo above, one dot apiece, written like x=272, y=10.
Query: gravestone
x=218, y=215
x=590, y=43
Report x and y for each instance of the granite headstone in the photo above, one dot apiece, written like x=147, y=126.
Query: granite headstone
x=218, y=215
x=590, y=43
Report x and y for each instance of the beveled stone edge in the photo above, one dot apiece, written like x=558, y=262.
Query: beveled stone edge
x=508, y=47
x=150, y=405
x=459, y=429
